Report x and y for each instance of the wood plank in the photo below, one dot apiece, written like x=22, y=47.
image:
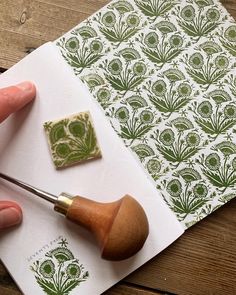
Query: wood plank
x=7, y=291
x=230, y=5
x=26, y=24
x=7, y=285
x=124, y=289
x=202, y=261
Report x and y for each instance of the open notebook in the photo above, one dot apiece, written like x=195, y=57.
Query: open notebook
x=158, y=79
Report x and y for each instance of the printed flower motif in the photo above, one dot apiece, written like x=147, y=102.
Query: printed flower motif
x=146, y=117
x=63, y=243
x=176, y=41
x=57, y=132
x=92, y=80
x=166, y=27
x=72, y=44
x=143, y=151
x=62, y=150
x=182, y=124
x=221, y=62
x=213, y=15
x=174, y=188
x=230, y=33
x=61, y=276
x=103, y=94
x=122, y=6
x=153, y=166
x=73, y=271
x=86, y=32
x=196, y=61
x=193, y=139
x=234, y=164
x=200, y=190
x=210, y=47
x=230, y=111
x=205, y=109
x=77, y=128
x=188, y=13
x=184, y=90
x=189, y=175
x=133, y=20
x=203, y=3
x=47, y=269
x=227, y=148
x=219, y=96
x=151, y=40
x=62, y=254
x=140, y=68
x=159, y=88
x=115, y=66
x=136, y=102
x=129, y=54
x=212, y=161
x=109, y=19
x=96, y=46
x=122, y=114
x=167, y=137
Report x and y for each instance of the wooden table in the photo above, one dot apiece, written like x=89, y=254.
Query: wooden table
x=203, y=260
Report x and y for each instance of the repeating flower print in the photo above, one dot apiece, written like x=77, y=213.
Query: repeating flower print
x=124, y=78
x=164, y=50
x=118, y=31
x=229, y=38
x=81, y=57
x=168, y=99
x=198, y=22
x=154, y=8
x=206, y=71
x=164, y=74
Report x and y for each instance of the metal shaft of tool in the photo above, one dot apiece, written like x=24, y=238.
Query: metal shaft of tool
x=42, y=194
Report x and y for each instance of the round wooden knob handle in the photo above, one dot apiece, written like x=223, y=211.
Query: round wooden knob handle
x=120, y=227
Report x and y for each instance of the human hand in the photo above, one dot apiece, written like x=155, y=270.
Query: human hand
x=12, y=99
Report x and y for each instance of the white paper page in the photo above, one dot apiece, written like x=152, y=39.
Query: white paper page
x=24, y=154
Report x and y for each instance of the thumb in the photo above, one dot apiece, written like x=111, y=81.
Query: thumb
x=10, y=214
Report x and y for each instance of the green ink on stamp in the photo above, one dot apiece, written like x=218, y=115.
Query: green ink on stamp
x=72, y=140
x=59, y=272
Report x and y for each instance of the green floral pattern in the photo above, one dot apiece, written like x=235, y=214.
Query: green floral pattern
x=59, y=272
x=72, y=140
x=163, y=72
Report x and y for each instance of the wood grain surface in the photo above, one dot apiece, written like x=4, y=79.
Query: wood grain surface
x=202, y=261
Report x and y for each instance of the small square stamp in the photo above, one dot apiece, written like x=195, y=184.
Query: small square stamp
x=72, y=140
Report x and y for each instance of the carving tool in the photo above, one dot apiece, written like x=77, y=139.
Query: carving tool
x=120, y=227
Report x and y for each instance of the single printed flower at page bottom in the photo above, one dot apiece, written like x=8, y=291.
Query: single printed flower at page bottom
x=59, y=272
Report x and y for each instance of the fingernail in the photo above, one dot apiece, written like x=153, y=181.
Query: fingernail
x=26, y=87
x=9, y=216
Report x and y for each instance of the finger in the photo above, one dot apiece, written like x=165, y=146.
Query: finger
x=15, y=97
x=10, y=214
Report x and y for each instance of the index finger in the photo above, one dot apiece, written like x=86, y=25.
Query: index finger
x=15, y=97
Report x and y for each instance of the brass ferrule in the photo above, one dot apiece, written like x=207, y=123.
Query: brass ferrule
x=63, y=203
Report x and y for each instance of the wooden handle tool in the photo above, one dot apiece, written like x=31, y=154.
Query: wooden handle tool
x=120, y=227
